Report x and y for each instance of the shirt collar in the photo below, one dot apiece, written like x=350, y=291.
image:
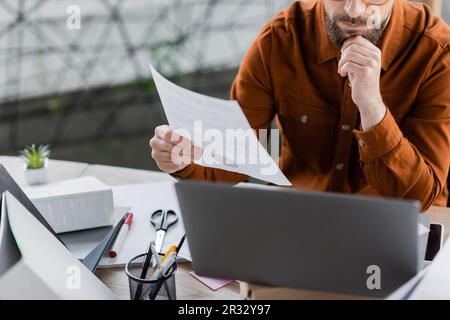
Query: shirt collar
x=392, y=36
x=389, y=43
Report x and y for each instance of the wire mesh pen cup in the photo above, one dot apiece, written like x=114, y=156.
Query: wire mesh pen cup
x=150, y=288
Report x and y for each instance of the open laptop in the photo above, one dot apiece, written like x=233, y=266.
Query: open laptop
x=309, y=240
x=35, y=265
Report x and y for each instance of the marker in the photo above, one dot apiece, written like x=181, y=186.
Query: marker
x=172, y=249
x=121, y=236
x=173, y=256
x=169, y=259
x=168, y=263
x=165, y=267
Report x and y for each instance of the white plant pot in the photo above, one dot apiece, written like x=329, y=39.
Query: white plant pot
x=37, y=176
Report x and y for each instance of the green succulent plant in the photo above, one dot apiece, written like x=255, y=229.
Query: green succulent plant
x=34, y=156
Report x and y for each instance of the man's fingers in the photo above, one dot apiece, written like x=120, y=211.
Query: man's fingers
x=167, y=134
x=349, y=44
x=361, y=41
x=162, y=156
x=175, y=138
x=351, y=67
x=371, y=52
x=171, y=151
x=159, y=144
x=187, y=152
x=361, y=50
x=355, y=57
x=352, y=56
x=161, y=131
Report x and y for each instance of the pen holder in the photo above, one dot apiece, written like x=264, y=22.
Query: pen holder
x=150, y=288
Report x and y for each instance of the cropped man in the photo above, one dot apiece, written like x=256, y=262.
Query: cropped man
x=360, y=90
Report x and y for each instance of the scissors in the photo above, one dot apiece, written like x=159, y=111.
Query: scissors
x=162, y=220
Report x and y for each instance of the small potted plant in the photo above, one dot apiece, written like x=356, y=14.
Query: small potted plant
x=36, y=163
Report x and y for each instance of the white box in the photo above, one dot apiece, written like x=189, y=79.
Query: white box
x=72, y=205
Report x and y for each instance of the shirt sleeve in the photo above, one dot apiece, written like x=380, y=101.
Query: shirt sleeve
x=412, y=160
x=252, y=89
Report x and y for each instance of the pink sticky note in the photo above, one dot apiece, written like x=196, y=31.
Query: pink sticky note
x=213, y=284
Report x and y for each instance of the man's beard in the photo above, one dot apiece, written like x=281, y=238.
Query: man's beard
x=338, y=36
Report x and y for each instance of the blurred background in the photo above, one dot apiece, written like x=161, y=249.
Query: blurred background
x=84, y=87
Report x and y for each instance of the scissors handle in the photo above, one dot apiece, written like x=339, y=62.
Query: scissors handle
x=170, y=219
x=163, y=220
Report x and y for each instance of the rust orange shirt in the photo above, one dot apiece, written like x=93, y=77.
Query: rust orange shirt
x=290, y=74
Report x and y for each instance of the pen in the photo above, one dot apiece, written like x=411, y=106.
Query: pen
x=180, y=244
x=121, y=236
x=169, y=259
x=167, y=265
x=154, y=291
x=145, y=267
x=172, y=249
x=155, y=255
x=160, y=272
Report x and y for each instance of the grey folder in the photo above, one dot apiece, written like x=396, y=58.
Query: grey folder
x=300, y=239
x=91, y=245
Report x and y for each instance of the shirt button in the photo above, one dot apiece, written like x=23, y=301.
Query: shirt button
x=361, y=143
x=345, y=127
x=304, y=119
x=340, y=166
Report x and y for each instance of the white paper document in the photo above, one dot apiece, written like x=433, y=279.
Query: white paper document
x=144, y=199
x=220, y=129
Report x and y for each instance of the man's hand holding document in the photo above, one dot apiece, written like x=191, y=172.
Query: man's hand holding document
x=209, y=132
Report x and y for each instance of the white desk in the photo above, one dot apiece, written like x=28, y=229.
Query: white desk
x=60, y=170
x=187, y=286
x=115, y=278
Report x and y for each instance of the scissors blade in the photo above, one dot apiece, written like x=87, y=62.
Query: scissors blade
x=159, y=240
